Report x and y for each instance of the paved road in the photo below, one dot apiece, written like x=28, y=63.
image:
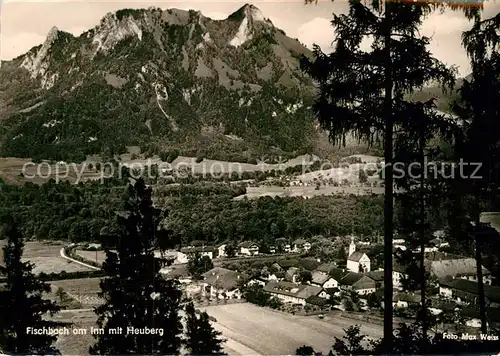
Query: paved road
x=63, y=255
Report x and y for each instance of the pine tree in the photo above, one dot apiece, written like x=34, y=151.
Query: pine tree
x=201, y=337
x=479, y=110
x=422, y=196
x=364, y=92
x=135, y=294
x=23, y=304
x=198, y=264
x=350, y=344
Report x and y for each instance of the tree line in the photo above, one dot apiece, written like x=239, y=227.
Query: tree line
x=135, y=294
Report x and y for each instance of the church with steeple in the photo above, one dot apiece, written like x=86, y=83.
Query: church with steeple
x=357, y=261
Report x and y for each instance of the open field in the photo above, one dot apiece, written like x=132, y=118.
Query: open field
x=306, y=192
x=94, y=256
x=83, y=290
x=46, y=257
x=255, y=330
x=79, y=319
x=209, y=166
x=12, y=171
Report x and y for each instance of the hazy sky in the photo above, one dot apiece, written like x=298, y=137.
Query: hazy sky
x=25, y=24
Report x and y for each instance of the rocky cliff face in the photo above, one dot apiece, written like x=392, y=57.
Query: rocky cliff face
x=161, y=80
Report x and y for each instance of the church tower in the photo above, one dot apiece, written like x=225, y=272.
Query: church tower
x=352, y=247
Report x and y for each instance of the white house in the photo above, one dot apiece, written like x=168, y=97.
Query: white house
x=445, y=291
x=222, y=251
x=248, y=248
x=357, y=262
x=398, y=275
x=463, y=291
x=202, y=250
x=181, y=258
x=223, y=283
x=287, y=248
x=174, y=257
x=323, y=280
x=301, y=245
x=272, y=277
x=261, y=281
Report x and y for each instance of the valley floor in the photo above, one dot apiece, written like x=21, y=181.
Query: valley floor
x=250, y=329
x=247, y=329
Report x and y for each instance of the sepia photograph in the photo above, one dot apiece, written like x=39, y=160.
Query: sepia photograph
x=274, y=177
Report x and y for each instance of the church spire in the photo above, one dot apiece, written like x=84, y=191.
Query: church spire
x=352, y=246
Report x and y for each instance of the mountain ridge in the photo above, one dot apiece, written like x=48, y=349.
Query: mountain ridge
x=164, y=80
x=160, y=79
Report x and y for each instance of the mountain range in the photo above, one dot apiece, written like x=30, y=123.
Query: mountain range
x=162, y=80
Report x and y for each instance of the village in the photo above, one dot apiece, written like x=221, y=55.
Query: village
x=305, y=285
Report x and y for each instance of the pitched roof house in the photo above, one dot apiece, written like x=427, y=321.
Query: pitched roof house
x=220, y=280
x=248, y=248
x=293, y=293
x=326, y=267
x=378, y=277
x=321, y=279
x=464, y=268
x=301, y=245
x=359, y=283
x=292, y=274
x=179, y=272
x=463, y=290
x=338, y=273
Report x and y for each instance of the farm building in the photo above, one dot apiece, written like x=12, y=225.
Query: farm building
x=378, y=277
x=326, y=267
x=464, y=291
x=248, y=248
x=223, y=283
x=473, y=319
x=292, y=274
x=464, y=268
x=323, y=280
x=292, y=293
x=261, y=281
x=358, y=282
x=202, y=250
x=301, y=245
x=177, y=272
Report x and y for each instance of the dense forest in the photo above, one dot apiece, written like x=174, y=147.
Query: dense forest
x=201, y=211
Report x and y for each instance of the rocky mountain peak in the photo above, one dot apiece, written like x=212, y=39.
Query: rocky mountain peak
x=250, y=18
x=35, y=61
x=113, y=28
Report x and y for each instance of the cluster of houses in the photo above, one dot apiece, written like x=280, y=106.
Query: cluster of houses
x=245, y=248
x=456, y=276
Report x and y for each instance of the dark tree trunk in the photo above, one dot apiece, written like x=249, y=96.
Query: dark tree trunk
x=423, y=239
x=479, y=269
x=389, y=185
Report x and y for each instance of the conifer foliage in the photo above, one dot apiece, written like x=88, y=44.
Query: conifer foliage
x=365, y=91
x=135, y=294
x=23, y=305
x=201, y=337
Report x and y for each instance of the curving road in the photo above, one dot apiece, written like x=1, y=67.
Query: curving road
x=63, y=255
